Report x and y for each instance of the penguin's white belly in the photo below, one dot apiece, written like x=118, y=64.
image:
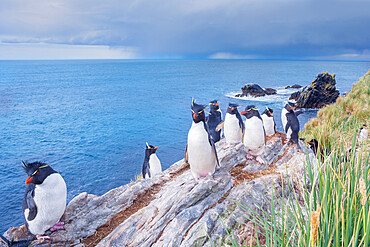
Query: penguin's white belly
x=284, y=119
x=232, y=130
x=50, y=199
x=200, y=154
x=254, y=136
x=364, y=133
x=268, y=124
x=289, y=133
x=154, y=165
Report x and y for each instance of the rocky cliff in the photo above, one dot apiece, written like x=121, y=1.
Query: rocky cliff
x=319, y=93
x=175, y=210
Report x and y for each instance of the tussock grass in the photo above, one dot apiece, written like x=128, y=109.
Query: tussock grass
x=332, y=207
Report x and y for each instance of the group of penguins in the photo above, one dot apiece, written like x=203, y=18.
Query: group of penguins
x=46, y=194
x=205, y=131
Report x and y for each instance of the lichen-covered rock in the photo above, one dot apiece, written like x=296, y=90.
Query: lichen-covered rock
x=175, y=209
x=321, y=92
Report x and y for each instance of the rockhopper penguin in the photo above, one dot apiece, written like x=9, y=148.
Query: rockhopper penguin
x=152, y=165
x=290, y=122
x=254, y=137
x=233, y=125
x=45, y=198
x=200, y=150
x=213, y=119
x=268, y=121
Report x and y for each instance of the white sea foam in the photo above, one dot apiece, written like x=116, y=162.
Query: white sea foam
x=281, y=95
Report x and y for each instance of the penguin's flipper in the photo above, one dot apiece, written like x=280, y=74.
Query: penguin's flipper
x=264, y=134
x=29, y=203
x=297, y=113
x=4, y=241
x=211, y=142
x=186, y=158
x=241, y=123
x=146, y=169
x=220, y=126
x=215, y=152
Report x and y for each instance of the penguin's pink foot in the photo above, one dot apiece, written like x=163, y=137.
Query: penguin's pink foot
x=57, y=226
x=250, y=157
x=227, y=146
x=260, y=160
x=43, y=238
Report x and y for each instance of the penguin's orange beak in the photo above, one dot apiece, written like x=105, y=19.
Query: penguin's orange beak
x=232, y=108
x=243, y=112
x=272, y=114
x=29, y=180
x=292, y=108
x=194, y=115
x=156, y=147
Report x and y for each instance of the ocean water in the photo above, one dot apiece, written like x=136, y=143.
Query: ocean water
x=90, y=119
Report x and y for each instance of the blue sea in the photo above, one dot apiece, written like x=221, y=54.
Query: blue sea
x=90, y=119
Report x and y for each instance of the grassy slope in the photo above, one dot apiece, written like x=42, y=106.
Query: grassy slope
x=335, y=208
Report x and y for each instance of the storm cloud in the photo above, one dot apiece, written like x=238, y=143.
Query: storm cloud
x=292, y=29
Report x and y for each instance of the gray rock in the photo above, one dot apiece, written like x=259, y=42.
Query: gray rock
x=182, y=211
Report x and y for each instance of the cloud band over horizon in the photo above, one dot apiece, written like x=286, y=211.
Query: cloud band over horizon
x=210, y=29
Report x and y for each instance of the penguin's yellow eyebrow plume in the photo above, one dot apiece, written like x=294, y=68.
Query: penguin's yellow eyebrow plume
x=38, y=169
x=253, y=108
x=198, y=111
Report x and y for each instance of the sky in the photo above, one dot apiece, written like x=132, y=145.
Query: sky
x=184, y=29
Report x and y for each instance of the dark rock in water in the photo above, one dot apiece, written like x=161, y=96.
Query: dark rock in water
x=253, y=90
x=294, y=86
x=321, y=92
x=295, y=95
x=270, y=91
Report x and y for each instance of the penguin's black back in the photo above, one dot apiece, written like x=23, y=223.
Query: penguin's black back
x=146, y=166
x=293, y=124
x=213, y=119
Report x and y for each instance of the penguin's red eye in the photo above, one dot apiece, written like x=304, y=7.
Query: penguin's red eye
x=37, y=173
x=200, y=114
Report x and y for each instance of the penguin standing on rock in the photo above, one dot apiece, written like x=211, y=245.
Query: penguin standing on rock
x=254, y=138
x=152, y=165
x=200, y=150
x=213, y=119
x=268, y=121
x=290, y=122
x=233, y=125
x=45, y=199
